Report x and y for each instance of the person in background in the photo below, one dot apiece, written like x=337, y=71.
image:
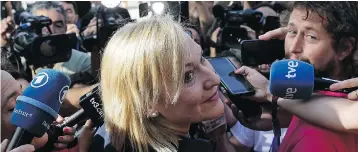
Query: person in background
x=73, y=22
x=195, y=34
x=6, y=9
x=71, y=12
x=79, y=61
x=312, y=36
x=201, y=16
x=341, y=114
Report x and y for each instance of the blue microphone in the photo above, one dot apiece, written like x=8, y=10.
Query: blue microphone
x=291, y=79
x=38, y=106
x=294, y=79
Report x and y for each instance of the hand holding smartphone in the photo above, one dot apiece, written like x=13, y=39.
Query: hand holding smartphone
x=235, y=86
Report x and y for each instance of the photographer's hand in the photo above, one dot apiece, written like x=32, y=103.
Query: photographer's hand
x=279, y=33
x=91, y=28
x=7, y=26
x=72, y=28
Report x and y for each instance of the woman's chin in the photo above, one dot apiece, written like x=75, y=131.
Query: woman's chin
x=214, y=113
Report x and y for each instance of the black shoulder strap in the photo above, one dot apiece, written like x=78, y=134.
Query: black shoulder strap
x=276, y=126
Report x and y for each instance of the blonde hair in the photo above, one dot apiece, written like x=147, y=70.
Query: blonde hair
x=142, y=65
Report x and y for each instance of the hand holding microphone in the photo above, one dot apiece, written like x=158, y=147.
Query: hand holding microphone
x=37, y=107
x=350, y=83
x=66, y=138
x=292, y=79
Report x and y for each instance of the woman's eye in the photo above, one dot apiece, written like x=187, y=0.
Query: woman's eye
x=189, y=76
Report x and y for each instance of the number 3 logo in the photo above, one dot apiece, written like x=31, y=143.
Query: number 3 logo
x=40, y=80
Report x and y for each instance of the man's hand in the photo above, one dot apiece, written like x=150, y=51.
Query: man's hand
x=250, y=32
x=229, y=116
x=279, y=33
x=7, y=26
x=91, y=28
x=72, y=28
x=258, y=81
x=86, y=136
x=23, y=148
x=264, y=68
x=350, y=83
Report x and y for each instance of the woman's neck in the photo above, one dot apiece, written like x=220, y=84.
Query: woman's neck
x=180, y=129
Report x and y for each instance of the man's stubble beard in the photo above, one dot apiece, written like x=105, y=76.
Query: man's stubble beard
x=327, y=71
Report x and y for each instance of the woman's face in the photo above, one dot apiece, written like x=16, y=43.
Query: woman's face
x=199, y=99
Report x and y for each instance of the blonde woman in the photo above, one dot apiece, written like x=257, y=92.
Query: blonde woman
x=154, y=84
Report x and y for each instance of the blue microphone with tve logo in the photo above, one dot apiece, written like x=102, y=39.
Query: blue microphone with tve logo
x=294, y=79
x=38, y=106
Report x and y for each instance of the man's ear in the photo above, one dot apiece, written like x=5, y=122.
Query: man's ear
x=346, y=48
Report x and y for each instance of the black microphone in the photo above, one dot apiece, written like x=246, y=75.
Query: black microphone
x=91, y=109
x=37, y=107
x=323, y=84
x=91, y=104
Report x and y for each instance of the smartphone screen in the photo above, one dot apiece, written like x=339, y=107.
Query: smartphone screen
x=235, y=84
x=257, y=52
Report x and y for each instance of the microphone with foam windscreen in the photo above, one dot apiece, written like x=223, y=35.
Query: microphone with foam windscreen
x=294, y=79
x=38, y=106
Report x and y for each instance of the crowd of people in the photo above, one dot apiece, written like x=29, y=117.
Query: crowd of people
x=159, y=90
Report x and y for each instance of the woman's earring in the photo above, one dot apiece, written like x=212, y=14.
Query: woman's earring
x=154, y=114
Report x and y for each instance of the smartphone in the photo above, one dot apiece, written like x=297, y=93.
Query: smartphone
x=235, y=86
x=258, y=52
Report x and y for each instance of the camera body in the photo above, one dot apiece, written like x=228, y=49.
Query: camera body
x=39, y=50
x=109, y=20
x=230, y=20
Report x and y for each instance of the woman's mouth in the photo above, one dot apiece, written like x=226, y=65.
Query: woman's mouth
x=214, y=97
